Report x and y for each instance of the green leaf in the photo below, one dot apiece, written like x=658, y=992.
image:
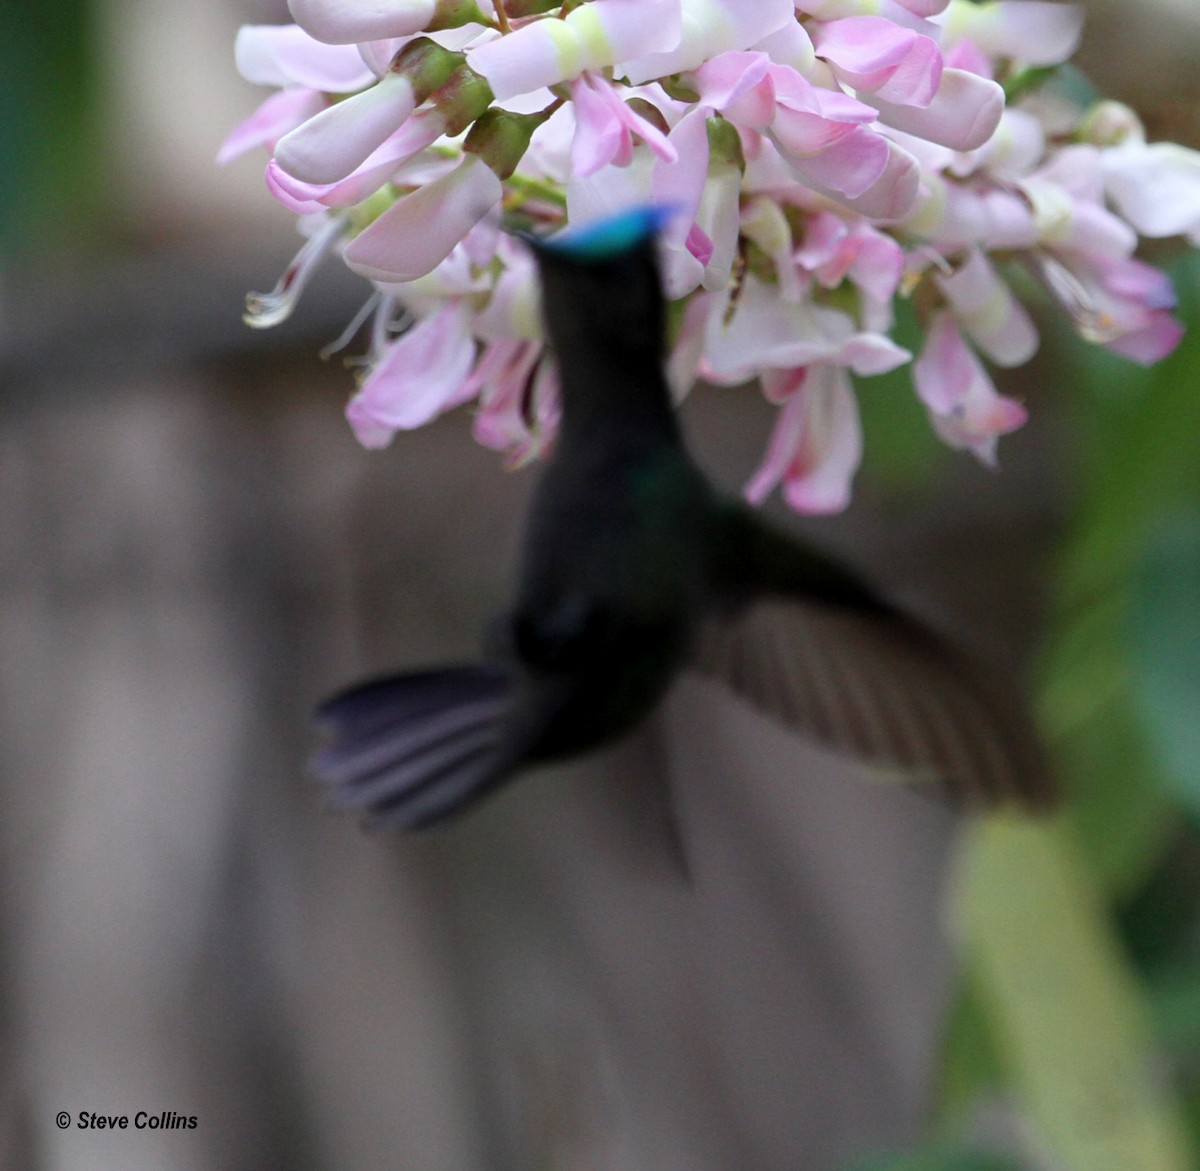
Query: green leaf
x=1165, y=622
x=1065, y=1007
x=969, y=1065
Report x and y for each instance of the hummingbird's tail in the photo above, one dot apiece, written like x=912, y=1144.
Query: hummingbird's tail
x=411, y=750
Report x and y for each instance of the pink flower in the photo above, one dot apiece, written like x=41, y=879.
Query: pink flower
x=707, y=28
x=873, y=55
x=381, y=165
x=739, y=85
x=346, y=22
x=284, y=55
x=1156, y=187
x=816, y=445
x=962, y=115
x=821, y=135
x=419, y=376
x=329, y=146
x=989, y=313
x=605, y=126
x=964, y=407
x=280, y=113
x=767, y=333
x=820, y=159
x=835, y=249
x=593, y=36
x=419, y=230
x=503, y=379
x=1121, y=303
x=1032, y=32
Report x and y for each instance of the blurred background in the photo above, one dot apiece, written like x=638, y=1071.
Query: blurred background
x=193, y=550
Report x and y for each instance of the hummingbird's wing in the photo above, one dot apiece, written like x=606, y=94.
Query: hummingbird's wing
x=819, y=650
x=413, y=749
x=885, y=691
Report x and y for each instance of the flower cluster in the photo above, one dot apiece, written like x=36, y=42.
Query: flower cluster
x=823, y=159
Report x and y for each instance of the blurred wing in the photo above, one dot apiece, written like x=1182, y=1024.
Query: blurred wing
x=883, y=690
x=414, y=749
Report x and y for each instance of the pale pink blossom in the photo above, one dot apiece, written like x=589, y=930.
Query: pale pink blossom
x=419, y=376
x=284, y=55
x=816, y=445
x=1120, y=303
x=707, y=28
x=280, y=113
x=420, y=229
x=767, y=333
x=1032, y=32
x=835, y=249
x=518, y=400
x=605, y=127
x=962, y=115
x=502, y=380
x=891, y=197
x=381, y=165
x=873, y=55
x=738, y=84
x=347, y=22
x=593, y=36
x=815, y=160
x=965, y=408
x=987, y=311
x=329, y=146
x=1155, y=186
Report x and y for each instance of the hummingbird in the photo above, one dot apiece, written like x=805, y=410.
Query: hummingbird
x=633, y=568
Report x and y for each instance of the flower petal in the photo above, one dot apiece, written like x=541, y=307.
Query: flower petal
x=284, y=55
x=281, y=112
x=346, y=22
x=329, y=146
x=874, y=55
x=420, y=131
x=1031, y=32
x=816, y=446
x=986, y=308
x=709, y=27
x=417, y=378
x=964, y=407
x=963, y=114
x=418, y=231
x=1155, y=187
x=592, y=36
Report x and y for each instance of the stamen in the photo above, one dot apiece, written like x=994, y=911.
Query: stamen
x=1094, y=323
x=347, y=335
x=264, y=310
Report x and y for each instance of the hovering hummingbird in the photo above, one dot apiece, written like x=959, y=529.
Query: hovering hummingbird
x=635, y=567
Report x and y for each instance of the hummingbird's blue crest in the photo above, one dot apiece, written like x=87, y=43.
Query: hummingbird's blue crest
x=611, y=236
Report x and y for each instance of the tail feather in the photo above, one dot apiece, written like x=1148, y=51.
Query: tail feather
x=411, y=750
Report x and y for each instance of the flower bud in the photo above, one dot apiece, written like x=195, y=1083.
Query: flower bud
x=1110, y=123
x=500, y=138
x=454, y=14
x=465, y=96
x=516, y=9
x=426, y=66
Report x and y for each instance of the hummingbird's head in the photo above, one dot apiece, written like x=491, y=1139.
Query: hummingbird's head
x=601, y=285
